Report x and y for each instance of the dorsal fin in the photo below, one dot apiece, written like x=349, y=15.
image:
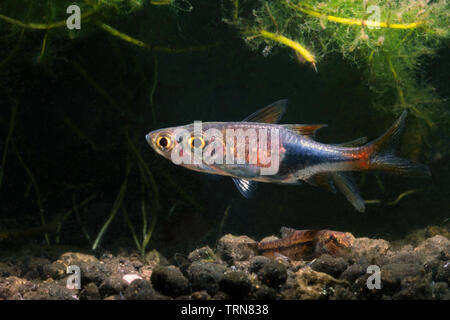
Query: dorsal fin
x=270, y=114
x=304, y=129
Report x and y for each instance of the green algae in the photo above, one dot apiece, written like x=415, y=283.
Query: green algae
x=387, y=40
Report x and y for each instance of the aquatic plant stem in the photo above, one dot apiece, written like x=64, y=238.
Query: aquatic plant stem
x=116, y=206
x=153, y=87
x=149, y=233
x=13, y=51
x=397, y=200
x=145, y=169
x=123, y=36
x=161, y=2
x=12, y=122
x=67, y=121
x=146, y=232
x=43, y=26
x=133, y=232
x=402, y=96
x=297, y=47
x=394, y=74
x=402, y=195
x=356, y=22
x=44, y=45
x=36, y=189
x=222, y=222
x=236, y=11
x=68, y=213
x=142, y=44
x=98, y=88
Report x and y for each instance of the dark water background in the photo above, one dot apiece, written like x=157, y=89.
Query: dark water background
x=225, y=83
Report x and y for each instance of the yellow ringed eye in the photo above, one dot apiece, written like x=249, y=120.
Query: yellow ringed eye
x=196, y=142
x=164, y=142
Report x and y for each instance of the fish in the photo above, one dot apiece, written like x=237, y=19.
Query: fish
x=306, y=244
x=259, y=149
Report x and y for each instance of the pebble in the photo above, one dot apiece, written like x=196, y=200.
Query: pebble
x=257, y=262
x=205, y=276
x=236, y=284
x=333, y=266
x=169, y=281
x=90, y=292
x=273, y=274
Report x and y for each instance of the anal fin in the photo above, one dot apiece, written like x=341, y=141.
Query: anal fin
x=344, y=181
x=323, y=181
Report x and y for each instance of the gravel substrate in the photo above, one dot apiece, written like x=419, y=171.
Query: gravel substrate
x=234, y=270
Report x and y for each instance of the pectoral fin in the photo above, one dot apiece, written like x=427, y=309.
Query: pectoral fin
x=246, y=187
x=270, y=114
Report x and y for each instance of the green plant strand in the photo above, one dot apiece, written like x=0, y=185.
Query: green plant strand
x=116, y=206
x=12, y=122
x=356, y=22
x=142, y=44
x=42, y=26
x=36, y=189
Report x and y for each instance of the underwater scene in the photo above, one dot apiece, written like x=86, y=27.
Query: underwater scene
x=224, y=150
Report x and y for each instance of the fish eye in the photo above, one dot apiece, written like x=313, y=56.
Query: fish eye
x=164, y=142
x=196, y=142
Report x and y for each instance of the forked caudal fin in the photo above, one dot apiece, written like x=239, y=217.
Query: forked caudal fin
x=382, y=153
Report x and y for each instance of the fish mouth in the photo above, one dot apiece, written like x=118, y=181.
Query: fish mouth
x=151, y=140
x=151, y=137
x=148, y=137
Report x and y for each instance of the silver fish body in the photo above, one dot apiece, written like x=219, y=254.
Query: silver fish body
x=260, y=150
